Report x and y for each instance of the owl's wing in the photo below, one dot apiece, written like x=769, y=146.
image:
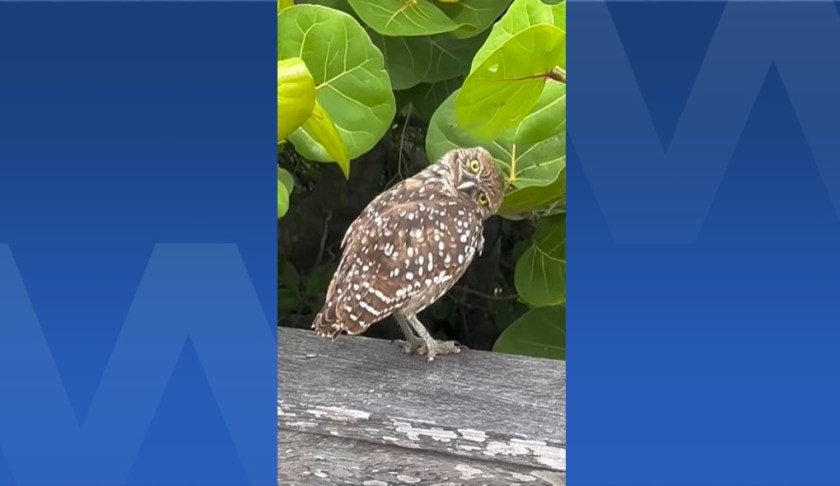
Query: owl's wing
x=409, y=249
x=378, y=206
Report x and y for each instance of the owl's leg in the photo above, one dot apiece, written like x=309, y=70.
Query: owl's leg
x=431, y=346
x=412, y=343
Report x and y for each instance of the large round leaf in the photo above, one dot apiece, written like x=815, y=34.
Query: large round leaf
x=427, y=59
x=407, y=59
x=403, y=17
x=521, y=15
x=540, y=275
x=475, y=16
x=285, y=185
x=451, y=57
x=503, y=89
x=349, y=72
x=282, y=199
x=535, y=156
x=523, y=201
x=427, y=97
x=541, y=333
x=295, y=95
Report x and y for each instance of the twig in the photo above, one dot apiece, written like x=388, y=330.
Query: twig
x=487, y=296
x=402, y=141
x=323, y=240
x=557, y=74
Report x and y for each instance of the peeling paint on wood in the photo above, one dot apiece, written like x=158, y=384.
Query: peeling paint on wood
x=481, y=411
x=354, y=462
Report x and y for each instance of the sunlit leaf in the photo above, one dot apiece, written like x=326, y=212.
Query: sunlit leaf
x=540, y=333
x=295, y=95
x=503, y=89
x=475, y=16
x=403, y=17
x=540, y=275
x=529, y=199
x=284, y=4
x=526, y=159
x=353, y=88
x=282, y=199
x=521, y=15
x=320, y=130
x=286, y=178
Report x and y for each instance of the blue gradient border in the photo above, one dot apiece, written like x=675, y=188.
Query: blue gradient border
x=703, y=243
x=137, y=243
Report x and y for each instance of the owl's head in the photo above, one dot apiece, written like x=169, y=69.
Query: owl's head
x=475, y=174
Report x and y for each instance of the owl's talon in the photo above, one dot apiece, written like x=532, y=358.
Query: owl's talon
x=411, y=346
x=436, y=348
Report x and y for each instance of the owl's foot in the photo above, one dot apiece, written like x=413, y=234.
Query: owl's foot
x=411, y=346
x=434, y=348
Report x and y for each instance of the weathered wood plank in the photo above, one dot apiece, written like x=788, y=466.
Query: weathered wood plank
x=477, y=405
x=317, y=459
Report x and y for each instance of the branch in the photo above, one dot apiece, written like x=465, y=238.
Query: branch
x=558, y=74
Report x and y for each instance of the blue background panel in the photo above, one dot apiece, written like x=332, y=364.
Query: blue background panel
x=703, y=243
x=137, y=243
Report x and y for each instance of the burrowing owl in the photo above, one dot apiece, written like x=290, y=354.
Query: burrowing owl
x=410, y=245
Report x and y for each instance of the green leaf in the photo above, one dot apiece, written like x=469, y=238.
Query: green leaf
x=284, y=4
x=428, y=59
x=526, y=159
x=475, y=16
x=503, y=89
x=533, y=198
x=318, y=281
x=425, y=98
x=403, y=17
x=320, y=130
x=540, y=275
x=521, y=15
x=285, y=185
x=288, y=289
x=286, y=178
x=541, y=333
x=450, y=57
x=352, y=85
x=407, y=59
x=295, y=95
x=282, y=199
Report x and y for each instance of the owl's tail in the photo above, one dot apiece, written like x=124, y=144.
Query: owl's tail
x=326, y=323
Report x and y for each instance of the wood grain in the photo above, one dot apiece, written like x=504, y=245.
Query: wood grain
x=504, y=412
x=314, y=459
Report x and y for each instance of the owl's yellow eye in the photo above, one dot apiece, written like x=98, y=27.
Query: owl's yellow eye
x=482, y=199
x=474, y=166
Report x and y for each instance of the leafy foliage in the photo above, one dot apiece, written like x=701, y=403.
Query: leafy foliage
x=354, y=97
x=541, y=271
x=295, y=95
x=432, y=75
x=540, y=332
x=533, y=156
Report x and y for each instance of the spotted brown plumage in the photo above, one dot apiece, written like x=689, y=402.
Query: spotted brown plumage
x=410, y=245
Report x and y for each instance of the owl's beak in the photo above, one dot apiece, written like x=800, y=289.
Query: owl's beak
x=468, y=184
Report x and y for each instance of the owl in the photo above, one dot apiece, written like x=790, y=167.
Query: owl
x=409, y=246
